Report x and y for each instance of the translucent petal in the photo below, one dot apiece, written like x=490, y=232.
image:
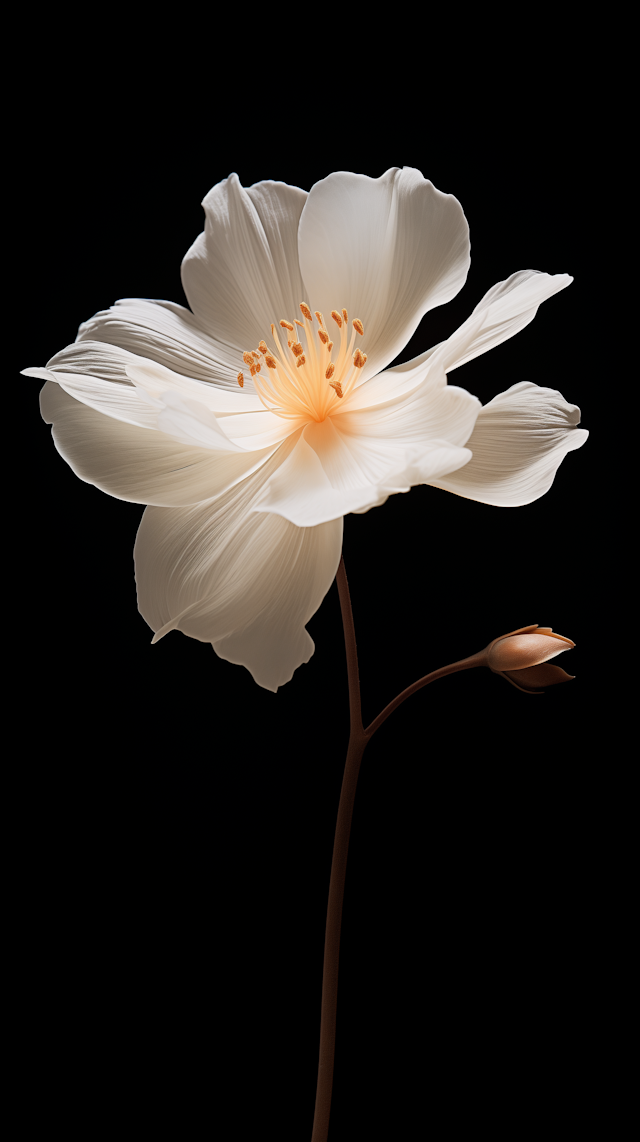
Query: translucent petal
x=386, y=249
x=247, y=582
x=518, y=443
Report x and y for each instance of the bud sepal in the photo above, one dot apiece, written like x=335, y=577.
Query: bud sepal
x=522, y=657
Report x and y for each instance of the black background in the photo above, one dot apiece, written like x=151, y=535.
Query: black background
x=174, y=821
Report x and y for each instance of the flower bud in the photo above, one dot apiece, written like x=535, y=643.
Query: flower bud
x=522, y=658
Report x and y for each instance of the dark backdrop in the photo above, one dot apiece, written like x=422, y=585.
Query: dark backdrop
x=175, y=821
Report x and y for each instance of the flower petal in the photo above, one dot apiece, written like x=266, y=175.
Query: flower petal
x=119, y=401
x=323, y=478
x=192, y=422
x=155, y=379
x=135, y=463
x=533, y=679
x=147, y=390
x=503, y=311
x=242, y=273
x=93, y=359
x=521, y=651
x=518, y=443
x=392, y=384
x=161, y=331
x=387, y=249
x=446, y=412
x=153, y=403
x=246, y=582
x=242, y=417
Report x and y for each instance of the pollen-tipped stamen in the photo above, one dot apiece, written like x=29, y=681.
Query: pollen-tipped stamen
x=316, y=383
x=297, y=380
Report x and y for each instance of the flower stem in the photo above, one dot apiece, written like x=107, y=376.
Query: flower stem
x=358, y=739
x=463, y=664
x=357, y=743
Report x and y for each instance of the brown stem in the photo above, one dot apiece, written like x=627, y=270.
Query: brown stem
x=358, y=739
x=463, y=664
x=357, y=743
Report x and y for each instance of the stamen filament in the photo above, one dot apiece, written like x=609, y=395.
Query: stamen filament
x=302, y=381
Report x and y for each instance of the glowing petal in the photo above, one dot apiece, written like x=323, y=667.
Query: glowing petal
x=246, y=582
x=134, y=463
x=518, y=443
x=244, y=267
x=321, y=479
x=161, y=331
x=389, y=249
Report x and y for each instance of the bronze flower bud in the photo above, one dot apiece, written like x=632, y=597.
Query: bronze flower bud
x=522, y=657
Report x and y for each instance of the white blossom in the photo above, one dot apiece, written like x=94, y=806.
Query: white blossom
x=248, y=472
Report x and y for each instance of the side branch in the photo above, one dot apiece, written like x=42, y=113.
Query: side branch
x=463, y=664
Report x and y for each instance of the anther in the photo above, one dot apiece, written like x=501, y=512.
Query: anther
x=330, y=346
x=256, y=356
x=358, y=326
x=324, y=337
x=329, y=373
x=270, y=361
x=301, y=361
x=247, y=358
x=359, y=358
x=345, y=316
x=337, y=318
x=262, y=346
x=319, y=316
x=241, y=380
x=337, y=386
x=296, y=348
x=287, y=325
x=306, y=312
x=296, y=322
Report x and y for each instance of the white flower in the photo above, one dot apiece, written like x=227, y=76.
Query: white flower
x=247, y=486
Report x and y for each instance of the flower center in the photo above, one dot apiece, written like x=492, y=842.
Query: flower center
x=304, y=380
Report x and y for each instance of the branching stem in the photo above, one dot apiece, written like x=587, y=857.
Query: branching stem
x=358, y=739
